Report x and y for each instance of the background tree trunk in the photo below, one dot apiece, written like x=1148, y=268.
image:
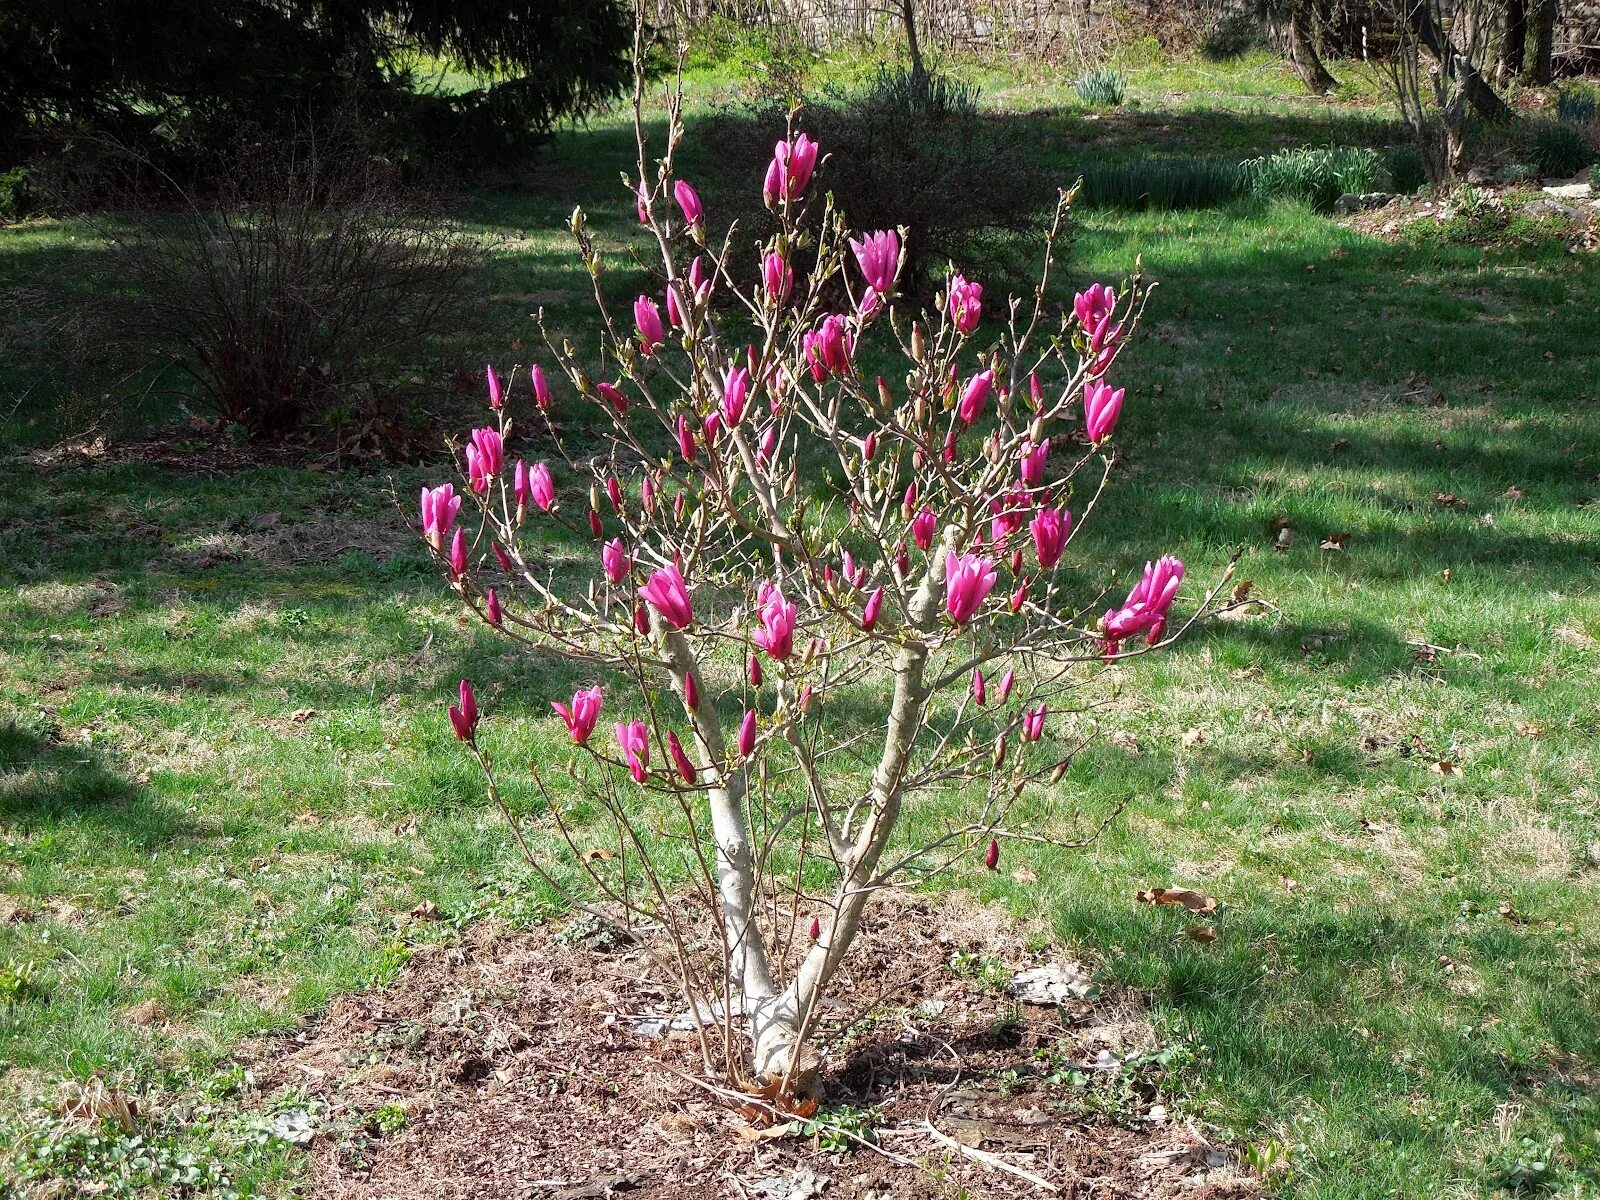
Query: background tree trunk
x=1541, y=27
x=1513, y=40
x=1303, y=53
x=908, y=17
x=1485, y=100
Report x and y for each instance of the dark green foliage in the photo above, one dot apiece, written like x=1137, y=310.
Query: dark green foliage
x=1577, y=105
x=1404, y=166
x=19, y=198
x=1163, y=183
x=1558, y=149
x=160, y=73
x=1316, y=175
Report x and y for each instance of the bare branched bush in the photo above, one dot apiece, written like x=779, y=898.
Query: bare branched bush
x=816, y=599
x=1436, y=75
x=297, y=285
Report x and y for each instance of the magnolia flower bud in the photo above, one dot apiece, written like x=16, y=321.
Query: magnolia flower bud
x=918, y=346
x=1000, y=750
x=1061, y=769
x=815, y=931
x=991, y=857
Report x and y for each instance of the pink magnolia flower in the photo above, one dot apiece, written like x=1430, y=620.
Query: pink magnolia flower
x=902, y=560
x=735, y=391
x=1007, y=682
x=541, y=487
x=541, y=388
x=685, y=439
x=613, y=396
x=923, y=527
x=641, y=620
x=769, y=443
x=1050, y=529
x=712, y=426
x=878, y=256
x=755, y=670
x=688, y=202
x=778, y=276
x=501, y=557
x=1033, y=722
x=1032, y=462
x=641, y=202
x=691, y=693
x=594, y=524
x=668, y=595
x=980, y=689
x=829, y=349
x=679, y=758
x=647, y=320
x=458, y=554
x=519, y=489
x=485, y=457
x=1009, y=514
x=972, y=400
x=964, y=303
x=439, y=508
x=967, y=583
x=870, y=611
x=492, y=611
x=614, y=558
x=869, y=446
x=991, y=856
x=855, y=574
x=464, y=717
x=647, y=495
x=1101, y=408
x=1145, y=609
x=614, y=492
x=776, y=635
x=790, y=170
x=1095, y=308
x=1020, y=596
x=633, y=739
x=580, y=716
x=496, y=396
x=747, y=733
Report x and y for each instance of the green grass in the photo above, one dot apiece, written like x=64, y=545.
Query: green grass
x=1397, y=1021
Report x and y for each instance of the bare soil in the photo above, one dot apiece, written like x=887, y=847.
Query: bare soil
x=516, y=1063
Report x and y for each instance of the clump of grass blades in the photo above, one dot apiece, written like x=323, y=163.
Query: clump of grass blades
x=1558, y=149
x=1163, y=183
x=1102, y=87
x=1577, y=105
x=1316, y=175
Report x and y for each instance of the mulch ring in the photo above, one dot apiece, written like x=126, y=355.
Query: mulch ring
x=512, y=1065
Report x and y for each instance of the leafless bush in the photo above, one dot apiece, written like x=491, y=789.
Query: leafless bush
x=1435, y=73
x=297, y=287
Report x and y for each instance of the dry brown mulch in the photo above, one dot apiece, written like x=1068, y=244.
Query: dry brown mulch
x=515, y=1059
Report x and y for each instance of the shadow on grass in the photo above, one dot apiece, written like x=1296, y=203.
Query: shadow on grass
x=47, y=785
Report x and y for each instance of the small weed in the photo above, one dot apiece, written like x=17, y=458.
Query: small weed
x=388, y=1120
x=1524, y=1166
x=841, y=1128
x=19, y=979
x=988, y=973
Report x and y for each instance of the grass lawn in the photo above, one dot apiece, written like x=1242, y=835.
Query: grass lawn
x=226, y=777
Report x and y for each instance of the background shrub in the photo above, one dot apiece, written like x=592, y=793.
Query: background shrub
x=1102, y=87
x=19, y=198
x=1577, y=106
x=1558, y=149
x=1316, y=175
x=298, y=287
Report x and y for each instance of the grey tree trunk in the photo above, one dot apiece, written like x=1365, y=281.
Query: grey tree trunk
x=1539, y=65
x=1513, y=40
x=1303, y=53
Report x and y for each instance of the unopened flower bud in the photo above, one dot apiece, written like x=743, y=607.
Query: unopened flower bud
x=991, y=857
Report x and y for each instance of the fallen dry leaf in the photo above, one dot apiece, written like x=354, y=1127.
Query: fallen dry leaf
x=1196, y=902
x=1204, y=934
x=1529, y=730
x=426, y=911
x=1444, y=767
x=146, y=1012
x=93, y=1101
x=301, y=715
x=1289, y=885
x=1193, y=738
x=1121, y=737
x=1241, y=590
x=591, y=855
x=1025, y=875
x=1336, y=541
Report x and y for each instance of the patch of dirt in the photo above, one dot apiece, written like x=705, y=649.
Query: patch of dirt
x=515, y=1060
x=1408, y=218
